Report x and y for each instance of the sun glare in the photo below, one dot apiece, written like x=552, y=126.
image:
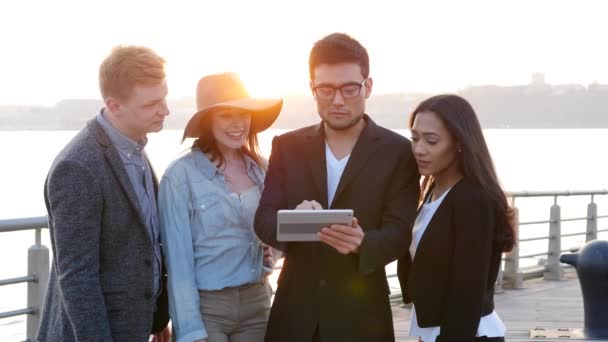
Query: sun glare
x=262, y=84
x=271, y=51
x=261, y=87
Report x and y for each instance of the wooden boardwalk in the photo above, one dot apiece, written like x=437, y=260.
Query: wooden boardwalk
x=541, y=303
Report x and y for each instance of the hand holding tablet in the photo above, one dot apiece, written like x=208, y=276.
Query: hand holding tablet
x=304, y=224
x=310, y=222
x=344, y=238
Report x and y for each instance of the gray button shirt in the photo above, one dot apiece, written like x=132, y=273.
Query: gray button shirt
x=140, y=174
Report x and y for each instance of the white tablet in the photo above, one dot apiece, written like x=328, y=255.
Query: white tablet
x=303, y=225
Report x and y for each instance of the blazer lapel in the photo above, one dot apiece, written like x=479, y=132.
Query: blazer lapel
x=362, y=151
x=437, y=224
x=117, y=165
x=317, y=162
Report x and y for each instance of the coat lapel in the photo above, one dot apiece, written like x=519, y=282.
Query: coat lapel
x=364, y=148
x=117, y=165
x=316, y=161
x=436, y=225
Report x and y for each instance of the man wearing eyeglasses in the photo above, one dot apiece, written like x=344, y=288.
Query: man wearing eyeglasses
x=336, y=289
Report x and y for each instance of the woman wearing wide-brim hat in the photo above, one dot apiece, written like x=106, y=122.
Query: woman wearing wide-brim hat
x=207, y=202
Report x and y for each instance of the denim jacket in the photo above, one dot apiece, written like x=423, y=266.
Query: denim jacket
x=207, y=235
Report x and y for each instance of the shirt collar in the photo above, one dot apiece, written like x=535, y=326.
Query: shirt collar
x=210, y=170
x=125, y=145
x=251, y=164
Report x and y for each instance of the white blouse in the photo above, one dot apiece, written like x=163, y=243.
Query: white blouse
x=490, y=325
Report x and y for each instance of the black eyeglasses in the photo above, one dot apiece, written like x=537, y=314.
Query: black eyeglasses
x=348, y=90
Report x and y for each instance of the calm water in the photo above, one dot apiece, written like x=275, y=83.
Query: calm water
x=564, y=159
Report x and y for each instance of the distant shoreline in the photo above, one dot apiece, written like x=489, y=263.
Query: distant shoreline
x=532, y=106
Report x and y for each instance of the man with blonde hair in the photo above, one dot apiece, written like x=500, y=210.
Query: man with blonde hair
x=107, y=279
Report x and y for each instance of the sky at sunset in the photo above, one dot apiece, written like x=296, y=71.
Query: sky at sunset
x=51, y=49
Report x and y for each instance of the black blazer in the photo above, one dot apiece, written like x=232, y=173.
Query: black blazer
x=346, y=296
x=451, y=280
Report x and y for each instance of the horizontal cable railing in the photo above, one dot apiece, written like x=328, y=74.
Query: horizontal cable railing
x=37, y=273
x=512, y=275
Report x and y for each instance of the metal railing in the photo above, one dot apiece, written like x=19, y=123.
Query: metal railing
x=37, y=272
x=511, y=277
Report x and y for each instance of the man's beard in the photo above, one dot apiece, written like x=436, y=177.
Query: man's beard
x=344, y=127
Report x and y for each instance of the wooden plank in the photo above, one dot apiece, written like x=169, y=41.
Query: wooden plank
x=540, y=304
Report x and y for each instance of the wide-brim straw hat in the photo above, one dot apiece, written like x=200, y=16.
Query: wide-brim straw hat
x=226, y=90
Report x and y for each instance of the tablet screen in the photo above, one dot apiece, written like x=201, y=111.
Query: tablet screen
x=303, y=225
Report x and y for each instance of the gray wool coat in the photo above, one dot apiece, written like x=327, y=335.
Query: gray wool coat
x=101, y=281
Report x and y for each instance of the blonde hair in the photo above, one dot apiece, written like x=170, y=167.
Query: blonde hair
x=127, y=67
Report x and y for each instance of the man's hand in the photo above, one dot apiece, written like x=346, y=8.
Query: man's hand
x=311, y=205
x=163, y=336
x=345, y=239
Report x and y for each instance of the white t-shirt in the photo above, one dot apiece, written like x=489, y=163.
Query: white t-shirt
x=335, y=168
x=490, y=325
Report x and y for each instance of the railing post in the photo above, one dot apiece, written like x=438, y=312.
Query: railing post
x=553, y=269
x=512, y=277
x=38, y=265
x=591, y=221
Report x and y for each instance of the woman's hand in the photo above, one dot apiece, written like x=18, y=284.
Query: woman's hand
x=268, y=260
x=163, y=336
